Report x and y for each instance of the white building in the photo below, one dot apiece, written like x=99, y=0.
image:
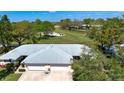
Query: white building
x=37, y=56
x=55, y=34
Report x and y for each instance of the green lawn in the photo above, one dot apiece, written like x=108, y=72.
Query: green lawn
x=8, y=76
x=12, y=77
x=70, y=37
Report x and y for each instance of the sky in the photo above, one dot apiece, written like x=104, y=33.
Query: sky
x=55, y=16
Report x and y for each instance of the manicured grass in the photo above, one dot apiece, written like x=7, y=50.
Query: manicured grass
x=70, y=37
x=8, y=76
x=12, y=77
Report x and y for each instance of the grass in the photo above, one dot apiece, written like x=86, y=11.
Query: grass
x=8, y=76
x=12, y=77
x=1, y=69
x=70, y=37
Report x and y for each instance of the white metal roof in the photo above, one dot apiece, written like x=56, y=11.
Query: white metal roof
x=72, y=49
x=46, y=52
x=23, y=50
x=49, y=55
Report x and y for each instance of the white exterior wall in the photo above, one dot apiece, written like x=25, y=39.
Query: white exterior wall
x=60, y=68
x=51, y=67
x=35, y=68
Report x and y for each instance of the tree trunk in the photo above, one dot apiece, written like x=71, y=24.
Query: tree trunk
x=19, y=43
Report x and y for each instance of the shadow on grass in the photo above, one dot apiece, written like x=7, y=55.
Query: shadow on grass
x=46, y=37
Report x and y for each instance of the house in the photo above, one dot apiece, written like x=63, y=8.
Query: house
x=57, y=26
x=37, y=56
x=55, y=34
x=122, y=45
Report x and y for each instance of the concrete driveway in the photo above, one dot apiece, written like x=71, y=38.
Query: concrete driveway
x=41, y=76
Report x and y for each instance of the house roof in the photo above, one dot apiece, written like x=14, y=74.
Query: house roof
x=46, y=52
x=22, y=50
x=73, y=49
x=50, y=55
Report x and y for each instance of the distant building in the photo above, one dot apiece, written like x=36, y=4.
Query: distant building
x=55, y=34
x=84, y=26
x=57, y=26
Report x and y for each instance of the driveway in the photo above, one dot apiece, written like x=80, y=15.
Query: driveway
x=54, y=75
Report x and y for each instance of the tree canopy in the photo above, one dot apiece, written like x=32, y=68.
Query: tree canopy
x=5, y=29
x=21, y=31
x=47, y=27
x=97, y=69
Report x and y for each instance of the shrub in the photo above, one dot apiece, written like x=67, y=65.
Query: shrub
x=21, y=70
x=10, y=67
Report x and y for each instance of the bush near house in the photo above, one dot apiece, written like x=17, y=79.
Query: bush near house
x=22, y=70
x=7, y=73
x=98, y=69
x=3, y=74
x=10, y=67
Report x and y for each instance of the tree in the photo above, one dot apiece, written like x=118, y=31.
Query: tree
x=114, y=70
x=10, y=67
x=109, y=37
x=88, y=22
x=37, y=27
x=47, y=27
x=112, y=23
x=93, y=33
x=89, y=69
x=65, y=23
x=111, y=32
x=100, y=21
x=99, y=68
x=5, y=29
x=21, y=31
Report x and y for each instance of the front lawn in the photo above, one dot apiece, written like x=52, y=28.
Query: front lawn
x=6, y=76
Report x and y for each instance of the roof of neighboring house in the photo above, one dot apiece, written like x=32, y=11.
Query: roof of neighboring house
x=46, y=52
